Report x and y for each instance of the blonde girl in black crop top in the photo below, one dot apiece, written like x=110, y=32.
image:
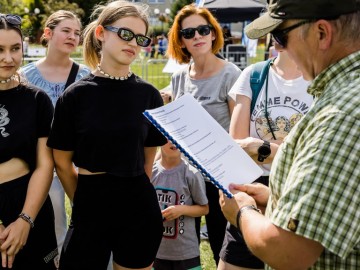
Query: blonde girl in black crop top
x=100, y=127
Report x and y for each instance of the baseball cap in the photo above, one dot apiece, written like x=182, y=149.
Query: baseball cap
x=281, y=10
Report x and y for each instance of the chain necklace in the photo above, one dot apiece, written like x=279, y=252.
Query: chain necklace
x=122, y=78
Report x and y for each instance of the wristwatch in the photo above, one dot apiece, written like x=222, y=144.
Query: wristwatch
x=264, y=151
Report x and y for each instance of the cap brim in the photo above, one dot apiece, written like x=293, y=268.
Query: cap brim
x=262, y=26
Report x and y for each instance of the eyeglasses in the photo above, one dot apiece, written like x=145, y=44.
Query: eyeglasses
x=203, y=30
x=281, y=37
x=12, y=19
x=127, y=35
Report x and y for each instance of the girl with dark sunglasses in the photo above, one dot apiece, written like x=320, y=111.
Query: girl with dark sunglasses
x=27, y=231
x=194, y=39
x=100, y=127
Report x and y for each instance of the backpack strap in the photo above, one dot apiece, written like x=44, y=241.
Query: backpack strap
x=258, y=75
x=72, y=75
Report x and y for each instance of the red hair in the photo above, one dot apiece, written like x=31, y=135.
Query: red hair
x=175, y=49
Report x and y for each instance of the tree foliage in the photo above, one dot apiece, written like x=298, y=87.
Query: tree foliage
x=176, y=6
x=87, y=6
x=50, y=6
x=11, y=6
x=33, y=23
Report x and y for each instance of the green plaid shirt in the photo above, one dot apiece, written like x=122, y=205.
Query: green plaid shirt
x=315, y=177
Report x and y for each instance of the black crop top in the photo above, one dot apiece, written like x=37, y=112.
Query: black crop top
x=102, y=121
x=25, y=115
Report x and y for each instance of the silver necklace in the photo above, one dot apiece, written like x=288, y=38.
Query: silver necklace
x=6, y=81
x=121, y=78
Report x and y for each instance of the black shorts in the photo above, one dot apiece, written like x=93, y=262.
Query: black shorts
x=234, y=250
x=113, y=214
x=41, y=247
x=190, y=264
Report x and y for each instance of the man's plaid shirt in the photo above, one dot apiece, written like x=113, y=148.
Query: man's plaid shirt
x=315, y=177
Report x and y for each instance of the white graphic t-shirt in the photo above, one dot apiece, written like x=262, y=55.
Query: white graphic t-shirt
x=287, y=102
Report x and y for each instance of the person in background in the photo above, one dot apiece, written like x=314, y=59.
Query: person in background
x=26, y=46
x=153, y=45
x=286, y=89
x=61, y=37
x=100, y=127
x=312, y=202
x=27, y=230
x=272, y=50
x=182, y=197
x=227, y=37
x=194, y=39
x=163, y=44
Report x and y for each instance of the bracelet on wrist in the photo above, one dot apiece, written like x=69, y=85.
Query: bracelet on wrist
x=1, y=222
x=243, y=209
x=28, y=219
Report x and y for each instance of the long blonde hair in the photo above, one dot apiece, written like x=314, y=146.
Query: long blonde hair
x=106, y=15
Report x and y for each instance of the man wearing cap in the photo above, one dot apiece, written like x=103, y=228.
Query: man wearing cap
x=312, y=203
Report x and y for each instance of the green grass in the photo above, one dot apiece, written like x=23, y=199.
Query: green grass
x=206, y=255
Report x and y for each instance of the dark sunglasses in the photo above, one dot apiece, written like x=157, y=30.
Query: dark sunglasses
x=281, y=37
x=127, y=35
x=203, y=30
x=12, y=19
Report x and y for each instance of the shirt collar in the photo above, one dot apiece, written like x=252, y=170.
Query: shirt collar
x=331, y=73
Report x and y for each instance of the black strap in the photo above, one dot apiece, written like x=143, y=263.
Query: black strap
x=72, y=75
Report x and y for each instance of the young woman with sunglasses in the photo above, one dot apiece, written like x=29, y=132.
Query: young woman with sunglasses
x=27, y=230
x=99, y=125
x=195, y=38
x=61, y=37
x=282, y=97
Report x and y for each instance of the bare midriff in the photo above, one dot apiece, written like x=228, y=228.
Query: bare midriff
x=86, y=172
x=13, y=169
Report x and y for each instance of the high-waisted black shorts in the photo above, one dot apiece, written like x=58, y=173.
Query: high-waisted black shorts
x=41, y=247
x=113, y=214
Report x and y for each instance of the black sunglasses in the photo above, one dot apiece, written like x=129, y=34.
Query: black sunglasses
x=280, y=35
x=127, y=35
x=12, y=19
x=203, y=30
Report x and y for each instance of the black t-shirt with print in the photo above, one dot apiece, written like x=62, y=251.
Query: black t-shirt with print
x=25, y=115
x=102, y=121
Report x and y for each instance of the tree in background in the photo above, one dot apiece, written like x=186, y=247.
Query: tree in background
x=11, y=6
x=176, y=6
x=87, y=6
x=36, y=12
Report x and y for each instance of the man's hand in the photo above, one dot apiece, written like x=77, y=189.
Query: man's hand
x=259, y=192
x=230, y=207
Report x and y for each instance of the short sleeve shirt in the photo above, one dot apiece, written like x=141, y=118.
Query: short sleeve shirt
x=102, y=121
x=287, y=102
x=53, y=89
x=211, y=93
x=316, y=174
x=182, y=185
x=25, y=116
